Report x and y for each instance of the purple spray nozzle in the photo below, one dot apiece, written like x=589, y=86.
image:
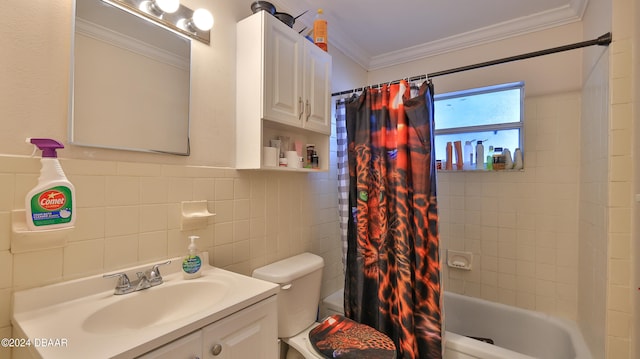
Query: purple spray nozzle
x=48, y=146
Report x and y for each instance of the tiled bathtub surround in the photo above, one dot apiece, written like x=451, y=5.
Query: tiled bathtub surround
x=521, y=226
x=129, y=213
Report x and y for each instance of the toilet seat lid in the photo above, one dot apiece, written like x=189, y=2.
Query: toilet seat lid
x=341, y=337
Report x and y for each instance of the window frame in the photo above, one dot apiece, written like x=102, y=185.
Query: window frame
x=519, y=125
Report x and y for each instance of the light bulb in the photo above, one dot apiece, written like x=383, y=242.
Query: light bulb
x=168, y=6
x=202, y=19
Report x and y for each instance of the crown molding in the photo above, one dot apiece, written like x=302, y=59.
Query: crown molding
x=567, y=14
x=341, y=40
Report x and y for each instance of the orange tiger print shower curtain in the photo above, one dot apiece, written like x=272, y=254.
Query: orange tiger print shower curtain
x=392, y=279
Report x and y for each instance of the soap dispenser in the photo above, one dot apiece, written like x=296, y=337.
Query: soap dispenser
x=192, y=264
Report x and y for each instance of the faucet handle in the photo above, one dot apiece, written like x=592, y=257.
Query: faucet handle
x=154, y=275
x=123, y=282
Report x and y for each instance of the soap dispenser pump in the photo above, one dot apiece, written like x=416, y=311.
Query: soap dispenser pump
x=192, y=264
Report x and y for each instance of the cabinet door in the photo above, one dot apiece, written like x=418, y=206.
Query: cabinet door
x=250, y=333
x=282, y=73
x=187, y=347
x=317, y=89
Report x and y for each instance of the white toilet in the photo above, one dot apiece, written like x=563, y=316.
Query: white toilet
x=300, y=278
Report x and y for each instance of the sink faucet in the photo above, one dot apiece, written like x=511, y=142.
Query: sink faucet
x=145, y=280
x=142, y=282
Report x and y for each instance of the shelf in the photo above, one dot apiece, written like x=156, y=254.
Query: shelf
x=195, y=215
x=289, y=169
x=481, y=171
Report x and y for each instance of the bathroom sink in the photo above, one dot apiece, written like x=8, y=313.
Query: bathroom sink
x=90, y=318
x=155, y=306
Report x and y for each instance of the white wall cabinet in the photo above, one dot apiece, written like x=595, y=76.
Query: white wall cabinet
x=249, y=333
x=283, y=89
x=297, y=79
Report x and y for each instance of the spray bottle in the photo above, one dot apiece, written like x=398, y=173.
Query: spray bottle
x=51, y=203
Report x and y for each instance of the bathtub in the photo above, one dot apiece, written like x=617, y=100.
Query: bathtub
x=516, y=333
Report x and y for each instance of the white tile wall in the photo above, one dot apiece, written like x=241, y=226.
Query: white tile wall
x=129, y=213
x=520, y=226
x=620, y=285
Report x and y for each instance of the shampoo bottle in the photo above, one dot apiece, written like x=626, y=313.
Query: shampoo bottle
x=479, y=155
x=192, y=264
x=468, y=154
x=51, y=203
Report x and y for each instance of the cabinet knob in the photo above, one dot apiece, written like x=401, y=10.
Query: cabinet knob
x=216, y=349
x=308, y=109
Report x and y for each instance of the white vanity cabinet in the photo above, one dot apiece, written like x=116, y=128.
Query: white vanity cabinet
x=283, y=88
x=249, y=333
x=252, y=333
x=187, y=347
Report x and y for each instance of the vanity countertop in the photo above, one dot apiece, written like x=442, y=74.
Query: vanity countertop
x=83, y=318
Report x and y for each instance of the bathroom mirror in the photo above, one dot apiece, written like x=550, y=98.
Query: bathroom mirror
x=130, y=82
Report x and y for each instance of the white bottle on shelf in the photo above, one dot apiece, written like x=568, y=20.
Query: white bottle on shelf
x=479, y=155
x=468, y=154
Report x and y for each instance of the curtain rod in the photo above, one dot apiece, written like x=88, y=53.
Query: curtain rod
x=603, y=40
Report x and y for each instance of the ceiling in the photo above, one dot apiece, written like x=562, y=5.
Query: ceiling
x=380, y=33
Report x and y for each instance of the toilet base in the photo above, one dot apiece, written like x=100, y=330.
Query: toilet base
x=299, y=346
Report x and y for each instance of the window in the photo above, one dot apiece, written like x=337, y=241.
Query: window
x=492, y=115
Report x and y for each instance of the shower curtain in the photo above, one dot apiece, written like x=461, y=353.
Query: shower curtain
x=392, y=279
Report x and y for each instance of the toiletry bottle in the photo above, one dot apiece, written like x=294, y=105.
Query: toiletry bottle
x=468, y=154
x=192, y=264
x=310, y=149
x=457, y=146
x=320, y=30
x=479, y=155
x=490, y=159
x=51, y=203
x=448, y=164
x=314, y=160
x=498, y=159
x=517, y=159
x=282, y=161
x=508, y=161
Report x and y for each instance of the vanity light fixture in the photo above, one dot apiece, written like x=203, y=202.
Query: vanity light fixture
x=172, y=15
x=201, y=20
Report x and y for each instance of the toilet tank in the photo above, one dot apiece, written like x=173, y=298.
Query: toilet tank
x=300, y=278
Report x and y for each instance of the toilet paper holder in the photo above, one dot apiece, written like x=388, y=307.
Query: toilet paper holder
x=459, y=259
